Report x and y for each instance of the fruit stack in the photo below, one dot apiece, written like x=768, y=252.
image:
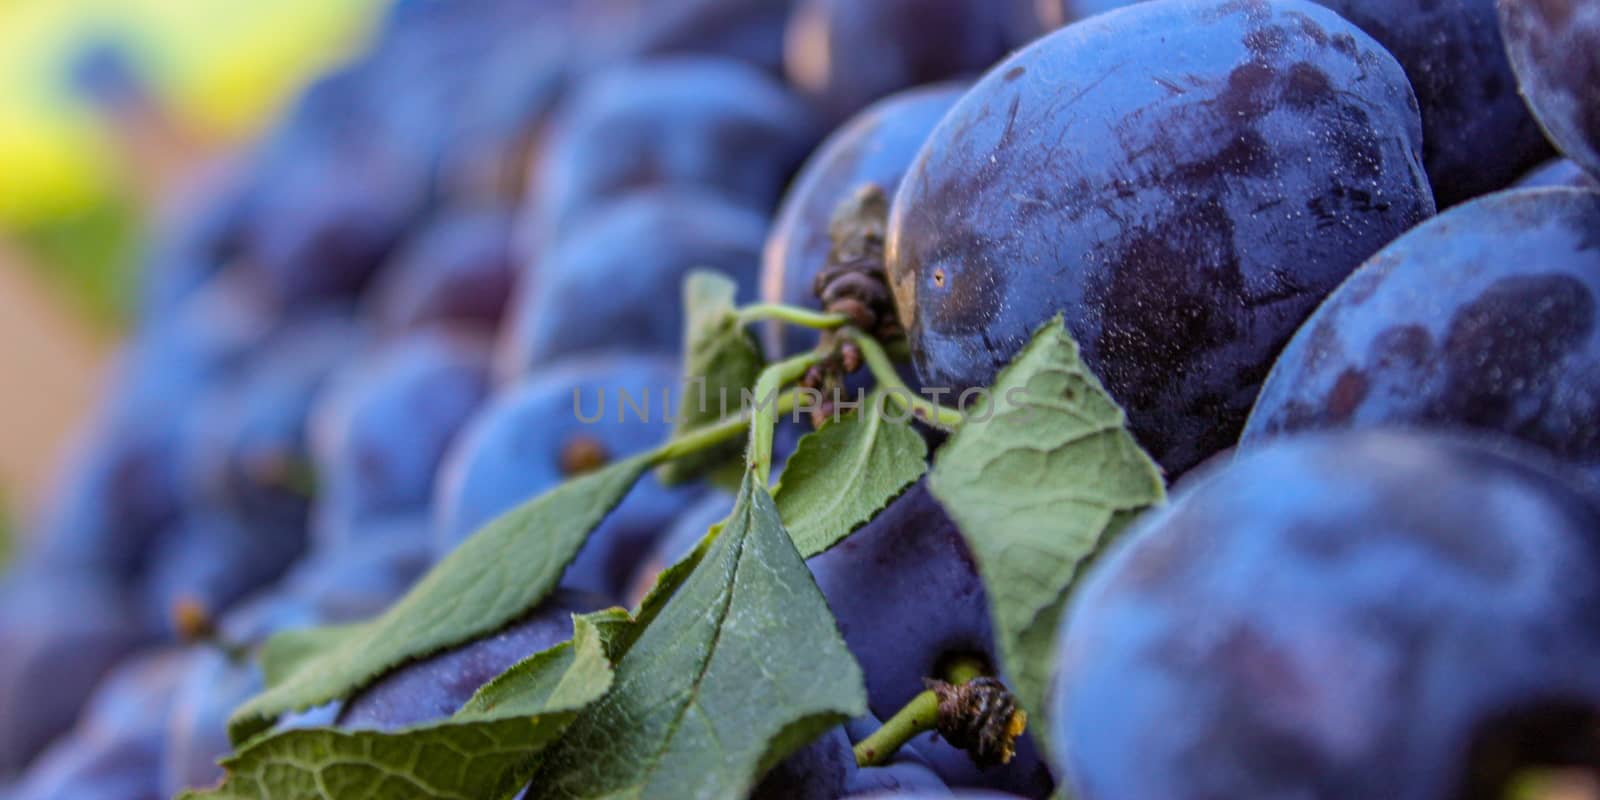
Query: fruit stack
x=780, y=398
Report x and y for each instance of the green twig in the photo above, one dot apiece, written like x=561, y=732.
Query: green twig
x=792, y=315
x=889, y=382
x=918, y=717
x=781, y=374
x=710, y=436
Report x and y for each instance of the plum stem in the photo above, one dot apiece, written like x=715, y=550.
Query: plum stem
x=917, y=717
x=889, y=382
x=765, y=419
x=721, y=431
x=792, y=315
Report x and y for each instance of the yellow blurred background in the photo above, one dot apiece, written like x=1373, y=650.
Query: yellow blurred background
x=79, y=177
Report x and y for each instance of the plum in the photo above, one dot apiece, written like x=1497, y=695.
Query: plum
x=1484, y=317
x=876, y=147
x=907, y=596
x=1477, y=134
x=614, y=282
x=568, y=419
x=671, y=122
x=846, y=54
x=1359, y=614
x=60, y=632
x=212, y=560
x=1558, y=172
x=437, y=686
x=382, y=429
x=124, y=478
x=114, y=751
x=249, y=452
x=1185, y=208
x=457, y=269
x=1555, y=50
x=750, y=31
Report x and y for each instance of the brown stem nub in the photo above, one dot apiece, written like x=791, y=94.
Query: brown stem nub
x=854, y=281
x=980, y=717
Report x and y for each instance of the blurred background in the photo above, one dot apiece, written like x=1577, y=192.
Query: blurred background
x=111, y=110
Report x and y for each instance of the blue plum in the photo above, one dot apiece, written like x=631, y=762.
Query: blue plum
x=877, y=147
x=750, y=31
x=1185, y=208
x=671, y=122
x=566, y=420
x=124, y=480
x=681, y=536
x=60, y=632
x=437, y=686
x=614, y=282
x=1477, y=134
x=114, y=751
x=349, y=583
x=1371, y=614
x=1558, y=172
x=381, y=431
x=907, y=596
x=1555, y=49
x=826, y=769
x=249, y=450
x=457, y=269
x=1486, y=317
x=846, y=54
x=212, y=560
x=328, y=197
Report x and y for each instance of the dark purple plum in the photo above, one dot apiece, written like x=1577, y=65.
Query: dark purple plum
x=1185, y=208
x=672, y=122
x=1555, y=49
x=846, y=54
x=877, y=147
x=1373, y=614
x=437, y=686
x=826, y=769
x=746, y=30
x=568, y=419
x=907, y=596
x=1486, y=317
x=614, y=282
x=1477, y=134
x=349, y=583
x=329, y=196
x=212, y=560
x=124, y=480
x=459, y=269
x=1558, y=172
x=212, y=687
x=249, y=444
x=681, y=536
x=114, y=751
x=381, y=431
x=60, y=632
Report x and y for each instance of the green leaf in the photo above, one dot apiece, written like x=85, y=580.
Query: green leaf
x=487, y=750
x=495, y=576
x=844, y=473
x=1040, y=476
x=743, y=664
x=720, y=361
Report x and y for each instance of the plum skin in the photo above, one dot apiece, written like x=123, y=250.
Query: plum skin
x=1555, y=51
x=1484, y=317
x=1184, y=208
x=513, y=451
x=1336, y=615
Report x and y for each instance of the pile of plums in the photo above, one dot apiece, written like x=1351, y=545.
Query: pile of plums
x=1338, y=261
